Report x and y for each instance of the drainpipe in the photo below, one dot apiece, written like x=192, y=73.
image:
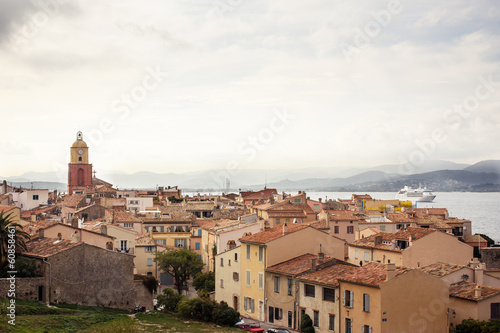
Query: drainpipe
x=50, y=278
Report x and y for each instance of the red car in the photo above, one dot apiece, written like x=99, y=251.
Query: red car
x=250, y=328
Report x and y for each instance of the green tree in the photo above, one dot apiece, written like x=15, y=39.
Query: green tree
x=11, y=232
x=182, y=264
x=204, y=282
x=169, y=299
x=475, y=326
x=306, y=324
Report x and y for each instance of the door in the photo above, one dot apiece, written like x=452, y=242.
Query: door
x=348, y=325
x=261, y=310
x=40, y=293
x=235, y=303
x=271, y=314
x=290, y=317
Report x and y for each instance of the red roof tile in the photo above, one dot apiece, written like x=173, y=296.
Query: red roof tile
x=328, y=275
x=372, y=274
x=376, y=241
x=273, y=233
x=296, y=265
x=46, y=247
x=466, y=290
x=441, y=269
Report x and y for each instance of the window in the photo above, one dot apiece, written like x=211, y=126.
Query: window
x=128, y=225
x=222, y=261
x=328, y=294
x=150, y=261
x=248, y=252
x=366, y=303
x=331, y=322
x=180, y=242
x=287, y=220
x=367, y=256
x=355, y=254
x=297, y=200
x=336, y=229
x=347, y=298
x=278, y=313
x=221, y=283
x=495, y=310
x=35, y=196
x=289, y=287
x=278, y=221
x=261, y=254
x=199, y=232
x=236, y=276
x=367, y=329
x=248, y=278
x=315, y=207
x=382, y=227
x=161, y=241
x=261, y=281
x=149, y=249
x=290, y=319
x=348, y=325
x=276, y=284
x=123, y=245
x=229, y=262
x=309, y=290
x=236, y=257
x=197, y=246
x=316, y=318
x=350, y=229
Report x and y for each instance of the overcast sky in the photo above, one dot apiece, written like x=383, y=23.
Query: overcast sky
x=175, y=86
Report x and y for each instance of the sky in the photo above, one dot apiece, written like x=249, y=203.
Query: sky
x=178, y=86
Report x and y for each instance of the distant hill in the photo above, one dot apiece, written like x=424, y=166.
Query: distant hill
x=490, y=166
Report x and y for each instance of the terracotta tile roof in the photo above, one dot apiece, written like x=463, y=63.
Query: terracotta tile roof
x=269, y=235
x=361, y=196
x=296, y=265
x=93, y=225
x=219, y=224
x=399, y=217
x=372, y=274
x=33, y=227
x=72, y=200
x=441, y=269
x=287, y=214
x=345, y=215
x=121, y=216
x=37, y=211
x=145, y=240
x=6, y=208
x=328, y=275
x=320, y=224
x=46, y=247
x=466, y=290
x=376, y=241
x=104, y=189
x=474, y=239
x=263, y=194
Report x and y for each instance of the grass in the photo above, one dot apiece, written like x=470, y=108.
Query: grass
x=33, y=317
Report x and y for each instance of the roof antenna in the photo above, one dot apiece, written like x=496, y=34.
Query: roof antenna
x=265, y=184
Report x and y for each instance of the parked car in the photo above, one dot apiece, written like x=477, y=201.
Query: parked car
x=250, y=327
x=277, y=330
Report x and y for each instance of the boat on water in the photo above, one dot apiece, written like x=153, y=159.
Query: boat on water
x=415, y=194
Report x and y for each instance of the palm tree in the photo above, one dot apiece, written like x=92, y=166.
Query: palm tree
x=20, y=237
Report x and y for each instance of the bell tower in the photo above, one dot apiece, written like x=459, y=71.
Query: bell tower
x=79, y=169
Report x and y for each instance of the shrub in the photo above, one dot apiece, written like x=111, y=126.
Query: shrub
x=170, y=299
x=306, y=324
x=225, y=315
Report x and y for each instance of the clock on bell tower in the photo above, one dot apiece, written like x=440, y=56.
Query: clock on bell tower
x=79, y=169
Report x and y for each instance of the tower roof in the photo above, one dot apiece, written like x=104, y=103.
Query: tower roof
x=79, y=143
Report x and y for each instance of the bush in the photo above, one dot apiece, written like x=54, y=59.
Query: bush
x=170, y=299
x=475, y=326
x=190, y=308
x=306, y=324
x=225, y=315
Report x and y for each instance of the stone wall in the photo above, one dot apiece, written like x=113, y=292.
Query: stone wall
x=229, y=214
x=143, y=296
x=89, y=275
x=491, y=257
x=26, y=288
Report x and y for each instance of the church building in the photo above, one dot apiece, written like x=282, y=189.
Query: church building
x=79, y=169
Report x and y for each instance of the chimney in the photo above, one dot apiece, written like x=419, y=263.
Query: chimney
x=75, y=238
x=478, y=274
x=41, y=233
x=320, y=199
x=74, y=222
x=321, y=257
x=231, y=244
x=313, y=265
x=104, y=230
x=285, y=228
x=477, y=291
x=391, y=271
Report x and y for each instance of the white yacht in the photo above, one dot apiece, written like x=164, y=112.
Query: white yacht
x=415, y=194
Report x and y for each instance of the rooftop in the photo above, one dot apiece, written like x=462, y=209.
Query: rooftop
x=296, y=265
x=273, y=233
x=377, y=240
x=440, y=269
x=328, y=275
x=46, y=247
x=372, y=274
x=466, y=290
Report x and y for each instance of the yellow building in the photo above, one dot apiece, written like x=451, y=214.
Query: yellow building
x=386, y=299
x=272, y=246
x=145, y=252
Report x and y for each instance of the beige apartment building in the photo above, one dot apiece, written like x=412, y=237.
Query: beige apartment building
x=227, y=277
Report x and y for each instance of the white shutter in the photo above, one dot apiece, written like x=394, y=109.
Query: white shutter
x=351, y=296
x=252, y=305
x=245, y=303
x=343, y=297
x=369, y=329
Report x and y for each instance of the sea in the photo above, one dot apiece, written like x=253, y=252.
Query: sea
x=481, y=208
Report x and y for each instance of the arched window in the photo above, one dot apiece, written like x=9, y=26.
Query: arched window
x=80, y=179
